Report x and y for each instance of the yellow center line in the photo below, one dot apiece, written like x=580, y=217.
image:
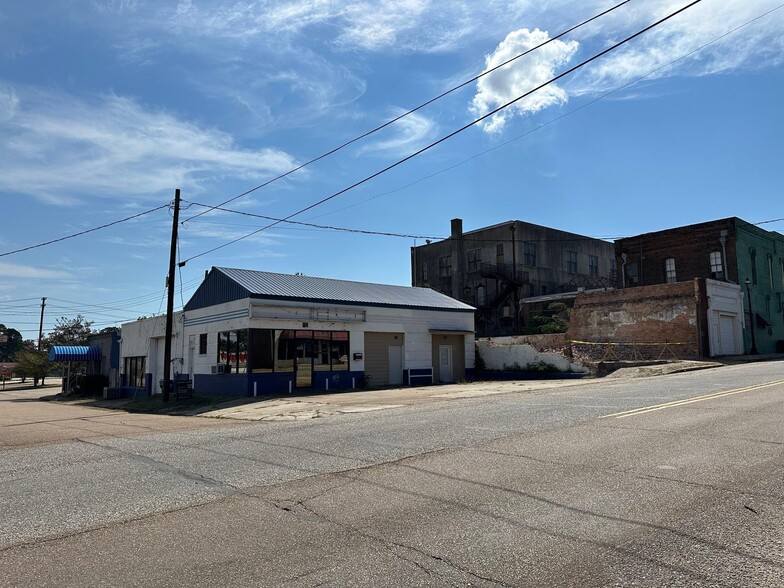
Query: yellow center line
x=674, y=403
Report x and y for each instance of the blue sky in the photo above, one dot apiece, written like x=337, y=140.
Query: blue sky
x=107, y=106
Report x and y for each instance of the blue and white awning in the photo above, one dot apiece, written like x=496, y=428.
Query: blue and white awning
x=74, y=353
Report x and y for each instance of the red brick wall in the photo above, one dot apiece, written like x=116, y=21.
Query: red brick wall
x=663, y=313
x=690, y=247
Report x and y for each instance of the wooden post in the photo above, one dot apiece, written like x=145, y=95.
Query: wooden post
x=167, y=359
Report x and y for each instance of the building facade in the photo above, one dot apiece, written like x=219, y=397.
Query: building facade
x=247, y=332
x=497, y=268
x=730, y=250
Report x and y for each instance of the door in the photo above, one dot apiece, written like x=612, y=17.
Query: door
x=395, y=365
x=727, y=344
x=305, y=351
x=445, y=363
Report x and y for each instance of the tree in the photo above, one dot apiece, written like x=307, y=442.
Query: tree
x=553, y=320
x=31, y=363
x=69, y=331
x=109, y=330
x=13, y=345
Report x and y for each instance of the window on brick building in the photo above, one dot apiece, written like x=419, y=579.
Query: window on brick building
x=445, y=266
x=669, y=270
x=529, y=251
x=499, y=254
x=593, y=265
x=424, y=274
x=613, y=269
x=716, y=265
x=473, y=258
x=632, y=275
x=203, y=344
x=781, y=262
x=753, y=260
x=770, y=270
x=571, y=262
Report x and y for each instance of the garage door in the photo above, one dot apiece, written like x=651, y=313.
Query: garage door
x=727, y=342
x=384, y=358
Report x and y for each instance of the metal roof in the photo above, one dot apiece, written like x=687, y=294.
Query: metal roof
x=271, y=285
x=74, y=353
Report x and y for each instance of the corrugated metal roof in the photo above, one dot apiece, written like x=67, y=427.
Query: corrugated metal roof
x=272, y=285
x=74, y=353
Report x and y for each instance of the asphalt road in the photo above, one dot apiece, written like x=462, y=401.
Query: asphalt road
x=560, y=487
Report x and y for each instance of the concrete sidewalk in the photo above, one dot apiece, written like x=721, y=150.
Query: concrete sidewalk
x=323, y=405
x=320, y=405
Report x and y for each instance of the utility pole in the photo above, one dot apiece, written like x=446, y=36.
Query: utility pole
x=41, y=324
x=167, y=359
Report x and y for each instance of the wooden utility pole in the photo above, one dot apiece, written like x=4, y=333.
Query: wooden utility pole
x=41, y=324
x=167, y=358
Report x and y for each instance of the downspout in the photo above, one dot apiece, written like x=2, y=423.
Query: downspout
x=723, y=241
x=623, y=270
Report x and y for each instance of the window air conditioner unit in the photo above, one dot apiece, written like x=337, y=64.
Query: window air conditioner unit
x=219, y=369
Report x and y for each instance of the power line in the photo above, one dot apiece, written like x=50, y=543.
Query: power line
x=122, y=220
x=409, y=112
x=453, y=133
x=323, y=227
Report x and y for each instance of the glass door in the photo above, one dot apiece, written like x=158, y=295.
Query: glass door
x=305, y=354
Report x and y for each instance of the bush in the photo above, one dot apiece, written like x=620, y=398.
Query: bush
x=93, y=385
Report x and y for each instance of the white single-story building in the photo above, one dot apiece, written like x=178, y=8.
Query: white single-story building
x=249, y=332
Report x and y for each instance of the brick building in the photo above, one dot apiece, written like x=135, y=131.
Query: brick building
x=730, y=250
x=498, y=268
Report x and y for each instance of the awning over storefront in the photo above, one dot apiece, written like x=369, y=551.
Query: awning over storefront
x=74, y=353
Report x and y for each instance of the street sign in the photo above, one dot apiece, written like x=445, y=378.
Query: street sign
x=3, y=338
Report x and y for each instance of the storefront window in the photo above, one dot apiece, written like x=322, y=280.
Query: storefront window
x=285, y=351
x=134, y=371
x=309, y=351
x=233, y=351
x=262, y=347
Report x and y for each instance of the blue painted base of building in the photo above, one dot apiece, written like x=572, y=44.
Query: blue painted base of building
x=277, y=384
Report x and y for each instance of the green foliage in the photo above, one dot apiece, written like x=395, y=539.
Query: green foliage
x=539, y=366
x=14, y=344
x=31, y=363
x=69, y=332
x=479, y=362
x=554, y=320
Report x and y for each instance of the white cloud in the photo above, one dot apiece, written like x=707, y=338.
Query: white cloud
x=13, y=270
x=521, y=76
x=58, y=148
x=9, y=102
x=407, y=135
x=757, y=45
x=681, y=40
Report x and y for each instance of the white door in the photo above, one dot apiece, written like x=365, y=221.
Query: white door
x=445, y=363
x=395, y=365
x=727, y=334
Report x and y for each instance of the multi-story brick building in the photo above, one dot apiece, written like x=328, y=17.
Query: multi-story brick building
x=498, y=268
x=728, y=249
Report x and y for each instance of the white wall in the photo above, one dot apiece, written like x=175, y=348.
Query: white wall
x=501, y=352
x=144, y=338
x=727, y=299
